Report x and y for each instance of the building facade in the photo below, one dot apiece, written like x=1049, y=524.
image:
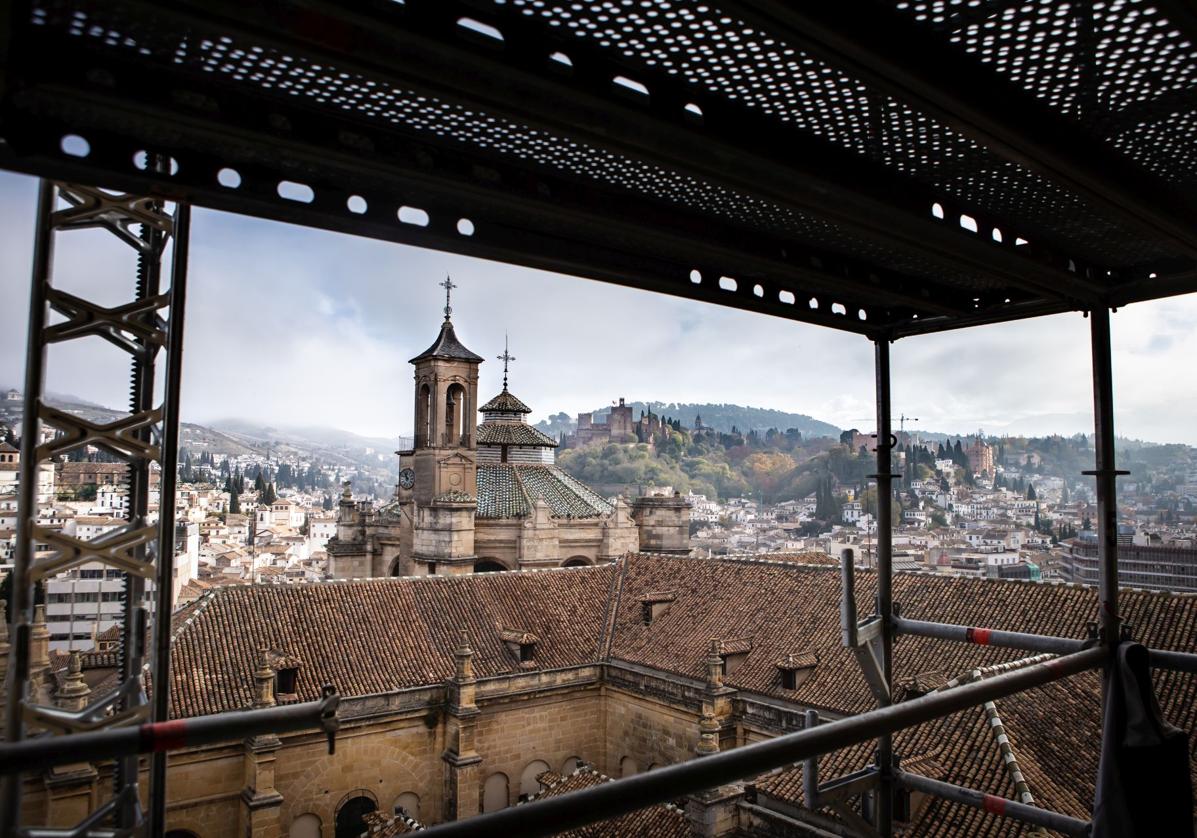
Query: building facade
x=484, y=496
x=462, y=694
x=1154, y=568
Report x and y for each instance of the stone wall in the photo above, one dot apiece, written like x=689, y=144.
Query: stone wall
x=514, y=735
x=646, y=731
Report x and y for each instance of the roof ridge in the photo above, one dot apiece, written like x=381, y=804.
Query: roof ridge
x=614, y=595
x=205, y=598
x=519, y=482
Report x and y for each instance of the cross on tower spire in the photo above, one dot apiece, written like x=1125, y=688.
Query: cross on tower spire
x=506, y=358
x=448, y=286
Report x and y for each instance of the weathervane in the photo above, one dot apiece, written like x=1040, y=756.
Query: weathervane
x=448, y=286
x=506, y=357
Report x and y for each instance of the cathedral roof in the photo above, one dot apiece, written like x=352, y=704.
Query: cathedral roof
x=505, y=402
x=663, y=820
x=448, y=346
x=378, y=635
x=510, y=490
x=513, y=433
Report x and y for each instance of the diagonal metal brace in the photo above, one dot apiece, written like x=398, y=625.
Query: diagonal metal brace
x=864, y=639
x=134, y=327
x=868, y=655
x=119, y=437
x=114, y=549
x=91, y=207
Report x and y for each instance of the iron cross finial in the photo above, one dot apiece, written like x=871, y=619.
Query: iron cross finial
x=506, y=358
x=448, y=286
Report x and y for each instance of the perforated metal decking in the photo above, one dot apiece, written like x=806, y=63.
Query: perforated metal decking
x=886, y=168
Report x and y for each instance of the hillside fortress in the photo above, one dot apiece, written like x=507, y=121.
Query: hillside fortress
x=486, y=497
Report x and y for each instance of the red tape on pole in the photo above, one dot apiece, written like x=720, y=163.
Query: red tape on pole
x=996, y=805
x=164, y=736
x=977, y=635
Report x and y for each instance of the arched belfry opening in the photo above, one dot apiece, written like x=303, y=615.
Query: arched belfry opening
x=424, y=416
x=457, y=411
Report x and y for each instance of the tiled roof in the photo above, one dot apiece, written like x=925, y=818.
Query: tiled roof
x=505, y=402
x=374, y=636
x=513, y=433
x=787, y=608
x=447, y=345
x=1053, y=730
x=509, y=490
x=661, y=821
x=382, y=825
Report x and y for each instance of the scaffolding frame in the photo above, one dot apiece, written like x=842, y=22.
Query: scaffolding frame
x=903, y=271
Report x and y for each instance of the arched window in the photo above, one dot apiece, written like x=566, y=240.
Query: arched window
x=305, y=826
x=408, y=804
x=628, y=767
x=488, y=566
x=456, y=410
x=570, y=765
x=494, y=793
x=351, y=813
x=180, y=833
x=529, y=785
x=424, y=428
x=577, y=561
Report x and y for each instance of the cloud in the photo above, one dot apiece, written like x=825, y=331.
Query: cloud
x=293, y=326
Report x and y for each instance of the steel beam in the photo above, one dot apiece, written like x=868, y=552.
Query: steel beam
x=885, y=579
x=167, y=534
x=160, y=737
x=989, y=637
x=580, y=105
x=996, y=805
x=1106, y=474
x=139, y=439
x=1176, y=661
x=609, y=800
x=888, y=50
x=21, y=613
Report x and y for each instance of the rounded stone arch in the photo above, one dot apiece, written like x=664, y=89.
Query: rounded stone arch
x=489, y=564
x=495, y=792
x=351, y=811
x=529, y=785
x=408, y=804
x=424, y=413
x=396, y=568
x=457, y=411
x=570, y=765
x=576, y=561
x=306, y=825
x=628, y=767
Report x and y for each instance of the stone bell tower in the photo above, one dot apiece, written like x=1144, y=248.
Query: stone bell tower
x=444, y=472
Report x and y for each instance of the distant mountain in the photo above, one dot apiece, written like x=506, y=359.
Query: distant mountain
x=312, y=435
x=239, y=437
x=721, y=417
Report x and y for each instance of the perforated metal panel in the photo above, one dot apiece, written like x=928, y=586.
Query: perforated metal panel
x=748, y=153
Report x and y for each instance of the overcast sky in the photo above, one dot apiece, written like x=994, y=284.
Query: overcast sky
x=289, y=326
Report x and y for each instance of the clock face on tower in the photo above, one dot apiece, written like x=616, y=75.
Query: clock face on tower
x=407, y=478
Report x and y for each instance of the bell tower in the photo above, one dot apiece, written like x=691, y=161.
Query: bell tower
x=444, y=485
